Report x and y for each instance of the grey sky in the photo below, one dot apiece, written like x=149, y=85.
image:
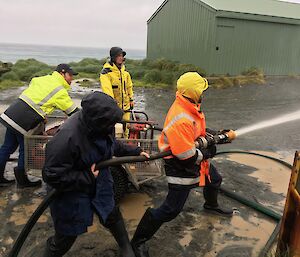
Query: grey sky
x=98, y=23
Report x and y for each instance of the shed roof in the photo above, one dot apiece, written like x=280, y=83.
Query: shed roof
x=273, y=8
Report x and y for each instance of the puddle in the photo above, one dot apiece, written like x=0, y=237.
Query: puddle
x=15, y=197
x=187, y=238
x=3, y=202
x=238, y=232
x=252, y=233
x=133, y=207
x=95, y=227
x=8, y=241
x=21, y=213
x=253, y=228
x=274, y=174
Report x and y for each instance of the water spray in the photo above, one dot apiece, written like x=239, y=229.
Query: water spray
x=269, y=123
x=224, y=137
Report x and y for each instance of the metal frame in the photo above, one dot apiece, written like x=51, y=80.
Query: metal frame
x=289, y=235
x=138, y=173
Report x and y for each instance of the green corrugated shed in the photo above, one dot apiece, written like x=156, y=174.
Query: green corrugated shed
x=228, y=36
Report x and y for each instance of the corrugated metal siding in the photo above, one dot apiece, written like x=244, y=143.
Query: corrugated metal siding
x=189, y=32
x=273, y=47
x=182, y=31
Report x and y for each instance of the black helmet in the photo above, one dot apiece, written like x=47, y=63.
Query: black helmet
x=115, y=51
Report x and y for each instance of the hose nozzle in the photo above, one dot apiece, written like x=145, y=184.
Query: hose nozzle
x=225, y=137
x=231, y=135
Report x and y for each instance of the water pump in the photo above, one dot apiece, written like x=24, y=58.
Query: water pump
x=223, y=137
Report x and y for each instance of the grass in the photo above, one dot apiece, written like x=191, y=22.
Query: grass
x=160, y=73
x=6, y=84
x=250, y=76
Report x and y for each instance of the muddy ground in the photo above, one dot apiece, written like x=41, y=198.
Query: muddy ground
x=194, y=232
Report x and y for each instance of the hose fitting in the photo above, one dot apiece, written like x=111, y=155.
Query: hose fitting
x=222, y=138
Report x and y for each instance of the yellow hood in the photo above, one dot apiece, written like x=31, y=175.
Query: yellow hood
x=192, y=85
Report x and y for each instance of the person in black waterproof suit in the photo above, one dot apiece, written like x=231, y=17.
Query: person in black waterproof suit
x=85, y=139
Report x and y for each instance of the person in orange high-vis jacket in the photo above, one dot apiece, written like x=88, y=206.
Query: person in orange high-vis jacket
x=187, y=167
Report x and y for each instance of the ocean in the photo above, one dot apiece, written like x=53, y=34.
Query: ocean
x=54, y=55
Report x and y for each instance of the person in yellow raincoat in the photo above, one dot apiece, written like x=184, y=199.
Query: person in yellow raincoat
x=116, y=82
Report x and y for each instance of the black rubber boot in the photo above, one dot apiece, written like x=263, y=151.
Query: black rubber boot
x=4, y=181
x=58, y=245
x=211, y=202
x=23, y=181
x=118, y=230
x=144, y=231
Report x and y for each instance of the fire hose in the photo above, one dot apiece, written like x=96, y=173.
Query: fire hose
x=132, y=159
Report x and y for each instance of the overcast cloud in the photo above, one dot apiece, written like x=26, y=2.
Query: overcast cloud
x=95, y=23
x=98, y=23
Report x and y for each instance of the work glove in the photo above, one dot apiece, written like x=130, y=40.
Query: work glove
x=206, y=141
x=211, y=131
x=209, y=152
x=206, y=153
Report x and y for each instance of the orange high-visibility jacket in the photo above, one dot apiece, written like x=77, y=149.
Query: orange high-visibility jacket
x=183, y=125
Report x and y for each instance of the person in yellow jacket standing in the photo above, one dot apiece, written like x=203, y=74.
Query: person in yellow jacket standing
x=116, y=82
x=42, y=97
x=188, y=166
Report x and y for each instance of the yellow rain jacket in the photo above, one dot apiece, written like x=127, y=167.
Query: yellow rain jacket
x=117, y=83
x=43, y=95
x=47, y=93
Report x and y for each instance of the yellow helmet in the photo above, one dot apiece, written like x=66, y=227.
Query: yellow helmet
x=191, y=85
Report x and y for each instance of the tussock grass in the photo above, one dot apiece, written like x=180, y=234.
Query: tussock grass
x=160, y=73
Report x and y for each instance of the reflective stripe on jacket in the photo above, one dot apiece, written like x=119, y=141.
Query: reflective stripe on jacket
x=117, y=83
x=43, y=95
x=183, y=125
x=47, y=93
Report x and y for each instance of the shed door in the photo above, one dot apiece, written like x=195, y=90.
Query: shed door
x=224, y=49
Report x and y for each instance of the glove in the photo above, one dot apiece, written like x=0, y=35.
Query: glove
x=211, y=131
x=205, y=153
x=210, y=139
x=203, y=142
x=209, y=152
